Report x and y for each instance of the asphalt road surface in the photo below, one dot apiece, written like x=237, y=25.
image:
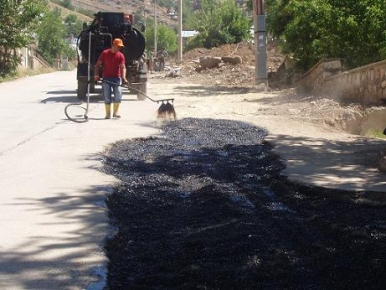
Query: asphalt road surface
x=52, y=198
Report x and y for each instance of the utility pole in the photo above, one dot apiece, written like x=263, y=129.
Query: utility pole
x=260, y=38
x=155, y=27
x=144, y=13
x=179, y=57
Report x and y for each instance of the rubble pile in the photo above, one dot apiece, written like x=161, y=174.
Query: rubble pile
x=226, y=65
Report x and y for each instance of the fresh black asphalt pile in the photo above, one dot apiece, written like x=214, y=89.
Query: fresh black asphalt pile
x=203, y=206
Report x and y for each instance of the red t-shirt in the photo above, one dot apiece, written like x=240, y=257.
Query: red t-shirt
x=111, y=62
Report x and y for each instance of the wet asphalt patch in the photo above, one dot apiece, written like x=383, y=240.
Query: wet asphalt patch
x=203, y=206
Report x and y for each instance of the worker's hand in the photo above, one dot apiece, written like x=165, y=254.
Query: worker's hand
x=125, y=82
x=96, y=78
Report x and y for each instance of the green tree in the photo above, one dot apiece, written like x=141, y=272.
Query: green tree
x=19, y=19
x=73, y=25
x=187, y=12
x=310, y=30
x=67, y=4
x=52, y=37
x=166, y=3
x=166, y=38
x=220, y=22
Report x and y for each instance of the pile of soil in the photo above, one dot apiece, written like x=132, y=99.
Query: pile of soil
x=227, y=75
x=240, y=75
x=203, y=206
x=243, y=49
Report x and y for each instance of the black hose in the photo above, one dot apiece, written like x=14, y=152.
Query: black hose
x=82, y=119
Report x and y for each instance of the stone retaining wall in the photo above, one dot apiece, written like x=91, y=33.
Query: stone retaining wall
x=364, y=85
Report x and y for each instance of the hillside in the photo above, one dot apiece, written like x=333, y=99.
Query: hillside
x=128, y=6
x=66, y=12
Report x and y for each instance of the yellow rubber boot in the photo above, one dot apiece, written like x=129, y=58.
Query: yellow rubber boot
x=107, y=108
x=116, y=107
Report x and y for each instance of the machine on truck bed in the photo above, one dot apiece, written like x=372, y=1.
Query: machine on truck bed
x=99, y=36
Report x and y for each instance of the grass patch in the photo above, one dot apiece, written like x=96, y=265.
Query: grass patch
x=375, y=134
x=22, y=73
x=27, y=72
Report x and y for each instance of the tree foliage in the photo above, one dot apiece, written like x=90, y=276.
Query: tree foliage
x=52, y=35
x=73, y=25
x=166, y=3
x=166, y=38
x=187, y=12
x=19, y=19
x=354, y=31
x=220, y=22
x=68, y=4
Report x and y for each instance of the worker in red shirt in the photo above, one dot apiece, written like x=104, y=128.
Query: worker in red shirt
x=114, y=75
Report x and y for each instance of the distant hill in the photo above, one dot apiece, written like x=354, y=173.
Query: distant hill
x=127, y=6
x=66, y=12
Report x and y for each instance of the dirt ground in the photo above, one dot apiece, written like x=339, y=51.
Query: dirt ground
x=205, y=204
x=323, y=111
x=241, y=78
x=228, y=75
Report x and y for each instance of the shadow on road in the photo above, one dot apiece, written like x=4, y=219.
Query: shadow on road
x=66, y=251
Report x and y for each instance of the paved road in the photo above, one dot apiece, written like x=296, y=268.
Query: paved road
x=52, y=192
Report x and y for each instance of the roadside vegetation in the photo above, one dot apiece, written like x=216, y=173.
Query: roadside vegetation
x=166, y=37
x=311, y=30
x=219, y=22
x=375, y=134
x=29, y=22
x=19, y=22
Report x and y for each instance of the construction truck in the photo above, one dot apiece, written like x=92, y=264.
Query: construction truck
x=99, y=36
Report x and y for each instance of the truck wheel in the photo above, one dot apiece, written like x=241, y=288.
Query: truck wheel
x=82, y=90
x=141, y=96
